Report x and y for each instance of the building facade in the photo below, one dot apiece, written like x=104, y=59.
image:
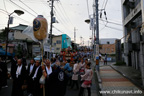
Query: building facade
x=107, y=46
x=61, y=42
x=133, y=18
x=23, y=44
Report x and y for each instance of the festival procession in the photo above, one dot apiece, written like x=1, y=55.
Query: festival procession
x=49, y=76
x=71, y=48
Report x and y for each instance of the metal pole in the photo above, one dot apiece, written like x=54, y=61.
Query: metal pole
x=94, y=49
x=74, y=35
x=51, y=26
x=7, y=31
x=97, y=32
x=97, y=29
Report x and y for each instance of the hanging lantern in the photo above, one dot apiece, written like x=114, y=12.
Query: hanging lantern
x=40, y=27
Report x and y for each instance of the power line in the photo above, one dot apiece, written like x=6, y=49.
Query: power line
x=114, y=28
x=5, y=5
x=2, y=11
x=66, y=13
x=111, y=22
x=62, y=20
x=63, y=12
x=105, y=4
x=110, y=27
x=87, y=7
x=130, y=32
x=60, y=31
x=21, y=8
x=28, y=7
x=61, y=15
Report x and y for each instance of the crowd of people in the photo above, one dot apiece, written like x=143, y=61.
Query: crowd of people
x=52, y=76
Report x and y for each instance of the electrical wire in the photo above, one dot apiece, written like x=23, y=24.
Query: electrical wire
x=64, y=12
x=14, y=16
x=63, y=21
x=111, y=27
x=28, y=7
x=114, y=28
x=110, y=22
x=5, y=5
x=88, y=8
x=105, y=4
x=68, y=19
x=129, y=32
x=60, y=31
x=22, y=8
x=63, y=17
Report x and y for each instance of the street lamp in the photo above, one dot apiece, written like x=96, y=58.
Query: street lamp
x=18, y=12
x=87, y=21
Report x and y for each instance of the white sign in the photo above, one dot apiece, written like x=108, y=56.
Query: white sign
x=46, y=48
x=36, y=49
x=52, y=50
x=97, y=49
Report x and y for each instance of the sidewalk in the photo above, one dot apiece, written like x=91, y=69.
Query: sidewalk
x=114, y=84
x=130, y=73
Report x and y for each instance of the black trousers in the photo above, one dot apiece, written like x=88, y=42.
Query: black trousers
x=75, y=82
x=105, y=62
x=70, y=80
x=82, y=91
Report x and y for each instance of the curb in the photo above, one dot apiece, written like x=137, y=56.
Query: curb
x=99, y=79
x=135, y=83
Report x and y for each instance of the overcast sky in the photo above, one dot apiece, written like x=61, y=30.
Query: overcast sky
x=69, y=14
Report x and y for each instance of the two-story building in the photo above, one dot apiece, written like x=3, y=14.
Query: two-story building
x=61, y=42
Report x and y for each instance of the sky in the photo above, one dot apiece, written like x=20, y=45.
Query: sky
x=69, y=14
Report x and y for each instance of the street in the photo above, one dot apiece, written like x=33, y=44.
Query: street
x=69, y=91
x=96, y=44
x=7, y=91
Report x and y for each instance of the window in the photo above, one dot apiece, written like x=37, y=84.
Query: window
x=54, y=44
x=57, y=48
x=58, y=41
x=112, y=49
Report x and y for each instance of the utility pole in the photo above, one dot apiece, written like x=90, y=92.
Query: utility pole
x=74, y=35
x=97, y=29
x=88, y=43
x=96, y=56
x=52, y=14
x=81, y=40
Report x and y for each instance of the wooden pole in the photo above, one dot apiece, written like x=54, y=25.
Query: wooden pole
x=43, y=65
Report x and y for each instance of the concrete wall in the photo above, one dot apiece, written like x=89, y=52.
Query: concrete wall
x=58, y=46
x=110, y=40
x=107, y=48
x=134, y=43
